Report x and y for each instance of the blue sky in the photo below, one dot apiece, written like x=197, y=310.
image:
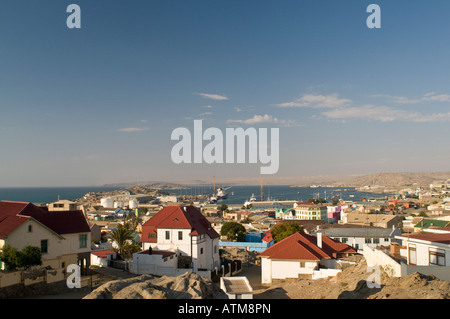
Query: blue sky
x=98, y=104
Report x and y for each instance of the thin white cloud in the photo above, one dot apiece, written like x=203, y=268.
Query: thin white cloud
x=429, y=97
x=384, y=114
x=205, y=113
x=216, y=97
x=317, y=101
x=132, y=129
x=259, y=119
x=437, y=98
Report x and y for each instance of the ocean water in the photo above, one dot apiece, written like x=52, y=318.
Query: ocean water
x=48, y=194
x=236, y=194
x=240, y=194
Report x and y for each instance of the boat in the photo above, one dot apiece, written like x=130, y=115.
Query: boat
x=221, y=194
x=253, y=198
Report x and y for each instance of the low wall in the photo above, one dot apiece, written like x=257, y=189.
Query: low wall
x=35, y=282
x=375, y=257
x=441, y=272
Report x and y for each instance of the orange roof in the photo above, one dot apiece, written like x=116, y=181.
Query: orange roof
x=301, y=246
x=298, y=247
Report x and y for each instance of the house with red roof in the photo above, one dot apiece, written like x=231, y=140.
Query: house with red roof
x=102, y=257
x=64, y=237
x=302, y=254
x=184, y=231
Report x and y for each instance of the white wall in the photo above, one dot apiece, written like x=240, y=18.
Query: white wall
x=376, y=257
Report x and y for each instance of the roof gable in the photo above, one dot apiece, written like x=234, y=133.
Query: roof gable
x=301, y=246
x=13, y=214
x=176, y=217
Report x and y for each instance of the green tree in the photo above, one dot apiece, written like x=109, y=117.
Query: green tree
x=283, y=230
x=27, y=257
x=222, y=207
x=121, y=235
x=130, y=249
x=30, y=256
x=233, y=230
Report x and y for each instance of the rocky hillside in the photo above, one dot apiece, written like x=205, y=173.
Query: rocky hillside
x=394, y=180
x=185, y=286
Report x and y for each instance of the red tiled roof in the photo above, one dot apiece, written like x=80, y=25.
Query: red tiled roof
x=301, y=246
x=13, y=214
x=9, y=218
x=436, y=238
x=267, y=237
x=176, y=217
x=102, y=253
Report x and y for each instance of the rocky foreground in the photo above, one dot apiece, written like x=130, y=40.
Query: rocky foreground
x=185, y=286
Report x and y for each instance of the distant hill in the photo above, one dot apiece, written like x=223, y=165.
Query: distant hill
x=155, y=185
x=394, y=180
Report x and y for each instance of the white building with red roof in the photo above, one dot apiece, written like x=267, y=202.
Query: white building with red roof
x=184, y=232
x=302, y=254
x=64, y=237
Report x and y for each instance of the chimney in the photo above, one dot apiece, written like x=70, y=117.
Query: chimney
x=149, y=250
x=319, y=239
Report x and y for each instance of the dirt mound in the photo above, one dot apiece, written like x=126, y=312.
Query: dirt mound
x=352, y=283
x=414, y=286
x=243, y=255
x=185, y=286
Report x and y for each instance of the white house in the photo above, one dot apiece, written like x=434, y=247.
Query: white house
x=101, y=257
x=426, y=249
x=185, y=232
x=63, y=236
x=357, y=237
x=302, y=254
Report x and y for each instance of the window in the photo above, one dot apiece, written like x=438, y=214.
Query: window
x=368, y=241
x=412, y=255
x=344, y=240
x=151, y=236
x=180, y=235
x=30, y=228
x=201, y=251
x=167, y=235
x=376, y=240
x=83, y=241
x=437, y=257
x=44, y=246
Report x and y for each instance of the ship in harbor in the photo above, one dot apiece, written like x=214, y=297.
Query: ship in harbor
x=221, y=193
